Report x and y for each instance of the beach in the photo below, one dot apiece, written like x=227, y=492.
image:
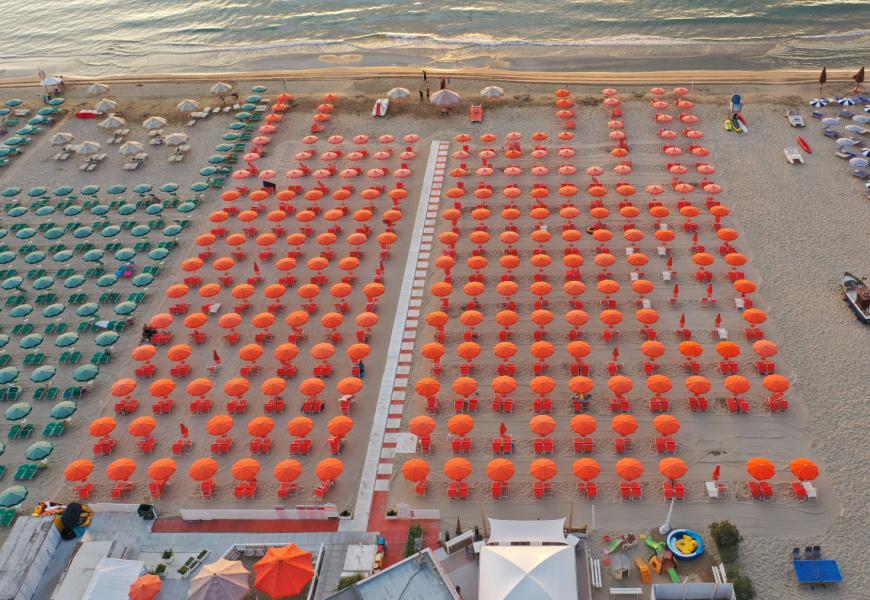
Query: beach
x=797, y=227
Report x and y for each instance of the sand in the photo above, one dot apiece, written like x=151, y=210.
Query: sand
x=798, y=230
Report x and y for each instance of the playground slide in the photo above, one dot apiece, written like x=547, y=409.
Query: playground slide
x=644, y=570
x=672, y=573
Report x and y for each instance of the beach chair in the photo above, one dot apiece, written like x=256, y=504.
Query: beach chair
x=793, y=155
x=794, y=118
x=475, y=113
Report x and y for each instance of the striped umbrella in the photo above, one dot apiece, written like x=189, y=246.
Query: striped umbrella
x=818, y=102
x=846, y=101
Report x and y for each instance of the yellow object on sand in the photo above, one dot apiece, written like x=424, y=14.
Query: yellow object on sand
x=686, y=545
x=644, y=570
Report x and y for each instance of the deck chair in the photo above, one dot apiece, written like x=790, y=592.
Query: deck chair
x=793, y=155
x=795, y=119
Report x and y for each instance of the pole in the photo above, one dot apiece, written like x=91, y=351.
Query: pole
x=593, y=518
x=666, y=526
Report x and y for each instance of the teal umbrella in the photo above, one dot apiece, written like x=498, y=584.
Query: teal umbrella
x=63, y=409
x=106, y=338
x=243, y=116
x=25, y=233
x=43, y=373
x=38, y=120
x=46, y=110
x=93, y=255
x=83, y=232
x=110, y=231
x=127, y=209
x=15, y=141
x=125, y=254
x=259, y=89
x=44, y=211
x=153, y=209
x=86, y=372
x=27, y=130
x=172, y=230
x=13, y=496
x=230, y=135
x=73, y=281
x=142, y=188
x=62, y=256
x=67, y=339
x=12, y=283
x=10, y=192
x=64, y=190
x=107, y=280
x=71, y=211
x=17, y=211
x=35, y=257
x=207, y=171
x=52, y=310
x=56, y=101
x=125, y=308
x=43, y=283
x=4, y=112
x=6, y=257
x=4, y=339
x=88, y=309
x=21, y=311
x=55, y=233
x=8, y=374
x=140, y=230
x=4, y=151
x=14, y=102
x=169, y=187
x=186, y=207
x=199, y=186
x=142, y=279
x=90, y=190
x=236, y=126
x=17, y=411
x=99, y=210
x=31, y=340
x=117, y=189
x=253, y=98
x=37, y=191
x=158, y=254
x=216, y=159
x=38, y=450
x=248, y=106
x=225, y=147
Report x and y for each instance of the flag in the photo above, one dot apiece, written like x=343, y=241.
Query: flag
x=716, y=473
x=615, y=352
x=710, y=290
x=683, y=320
x=823, y=77
x=859, y=76
x=718, y=320
x=676, y=290
x=215, y=356
x=502, y=429
x=256, y=268
x=184, y=430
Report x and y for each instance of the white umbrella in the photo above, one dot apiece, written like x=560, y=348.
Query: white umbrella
x=50, y=81
x=61, y=139
x=858, y=163
x=846, y=142
x=220, y=580
x=188, y=105
x=221, y=88
x=176, y=139
x=397, y=93
x=847, y=101
x=492, y=91
x=154, y=123
x=854, y=128
x=131, y=148
x=98, y=89
x=831, y=121
x=818, y=102
x=88, y=147
x=112, y=122
x=106, y=105
x=444, y=98
x=861, y=119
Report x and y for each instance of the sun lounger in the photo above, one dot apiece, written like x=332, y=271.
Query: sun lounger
x=793, y=155
x=382, y=105
x=844, y=154
x=795, y=119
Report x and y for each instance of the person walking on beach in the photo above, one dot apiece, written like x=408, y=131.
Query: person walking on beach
x=421, y=96
x=424, y=75
x=443, y=82
x=427, y=93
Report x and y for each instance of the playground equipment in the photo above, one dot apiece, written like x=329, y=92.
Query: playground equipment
x=685, y=544
x=619, y=542
x=662, y=560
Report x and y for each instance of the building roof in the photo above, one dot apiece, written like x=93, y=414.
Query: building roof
x=535, y=532
x=523, y=572
x=416, y=578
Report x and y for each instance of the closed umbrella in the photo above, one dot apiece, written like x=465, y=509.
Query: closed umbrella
x=283, y=571
x=220, y=580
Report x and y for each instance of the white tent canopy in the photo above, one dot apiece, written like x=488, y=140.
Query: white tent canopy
x=524, y=572
x=492, y=91
x=534, y=532
x=112, y=579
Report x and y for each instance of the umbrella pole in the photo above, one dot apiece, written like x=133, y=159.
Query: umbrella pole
x=666, y=526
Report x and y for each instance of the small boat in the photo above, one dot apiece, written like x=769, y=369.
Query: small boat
x=88, y=114
x=857, y=294
x=803, y=144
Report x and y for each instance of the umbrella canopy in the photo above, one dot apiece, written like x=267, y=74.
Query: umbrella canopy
x=63, y=409
x=283, y=571
x=88, y=147
x=131, y=148
x=586, y=468
x=804, y=469
x=542, y=469
x=673, y=468
x=106, y=105
x=78, y=470
x=188, y=105
x=415, y=469
x=98, y=89
x=500, y=469
x=112, y=122
x=13, y=496
x=162, y=469
x=154, y=123
x=397, y=93
x=629, y=468
x=444, y=98
x=146, y=587
x=329, y=469
x=221, y=88
x=203, y=468
x=176, y=139
x=17, y=411
x=760, y=468
x=222, y=579
x=121, y=469
x=61, y=138
x=287, y=470
x=38, y=450
x=492, y=91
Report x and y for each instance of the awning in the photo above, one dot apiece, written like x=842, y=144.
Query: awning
x=525, y=572
x=503, y=531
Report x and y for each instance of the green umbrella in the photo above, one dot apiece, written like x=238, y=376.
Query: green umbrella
x=43, y=283
x=110, y=231
x=17, y=211
x=153, y=209
x=4, y=112
x=125, y=254
x=31, y=340
x=158, y=254
x=16, y=141
x=6, y=257
x=17, y=411
x=216, y=159
x=107, y=280
x=4, y=339
x=73, y=281
x=142, y=188
x=127, y=209
x=88, y=309
x=21, y=311
x=253, y=98
x=225, y=147
x=64, y=190
x=55, y=233
x=10, y=192
x=199, y=186
x=14, y=102
x=90, y=190
x=52, y=310
x=62, y=256
x=207, y=171
x=37, y=120
x=82, y=232
x=236, y=126
x=37, y=191
x=186, y=207
x=248, y=106
x=38, y=450
x=125, y=308
x=67, y=339
x=12, y=283
x=140, y=230
x=44, y=211
x=86, y=372
x=106, y=338
x=43, y=373
x=63, y=409
x=93, y=255
x=117, y=189
x=27, y=130
x=169, y=187
x=25, y=233
x=71, y=211
x=56, y=101
x=46, y=110
x=259, y=89
x=4, y=151
x=8, y=374
x=13, y=496
x=99, y=210
x=142, y=279
x=230, y=135
x=35, y=257
x=172, y=230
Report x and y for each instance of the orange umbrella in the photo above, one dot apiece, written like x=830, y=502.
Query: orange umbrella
x=143, y=352
x=659, y=383
x=237, y=386
x=123, y=387
x=312, y=386
x=322, y=351
x=583, y=424
x=624, y=424
x=421, y=425
x=457, y=469
x=415, y=470
x=427, y=386
x=357, y=352
x=161, y=320
x=244, y=290
x=219, y=424
x=728, y=349
x=195, y=320
x=283, y=571
x=464, y=386
x=250, y=352
x=460, y=424
x=179, y=352
x=500, y=469
x=146, y=587
x=230, y=320
x=162, y=469
x=804, y=469
x=349, y=385
x=542, y=425
x=776, y=383
x=340, y=426
x=673, y=468
x=199, y=387
x=765, y=348
x=542, y=469
x=273, y=386
x=142, y=426
x=586, y=468
x=246, y=469
x=121, y=469
x=297, y=318
x=666, y=424
x=620, y=384
x=503, y=384
x=78, y=470
x=690, y=348
x=263, y=320
x=202, y=469
x=760, y=468
x=329, y=469
x=698, y=384
x=162, y=388
x=542, y=384
x=210, y=290
x=737, y=384
x=102, y=426
x=261, y=426
x=286, y=352
x=287, y=470
x=629, y=468
x=300, y=426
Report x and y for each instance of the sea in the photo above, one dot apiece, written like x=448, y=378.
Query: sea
x=110, y=37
